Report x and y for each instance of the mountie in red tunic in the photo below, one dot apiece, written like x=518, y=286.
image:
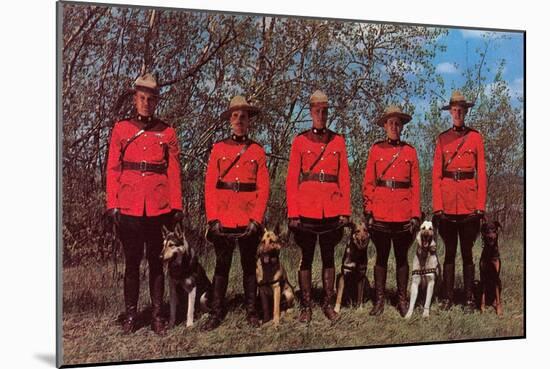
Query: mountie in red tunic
x=391, y=190
x=242, y=193
x=324, y=190
x=459, y=179
x=145, y=180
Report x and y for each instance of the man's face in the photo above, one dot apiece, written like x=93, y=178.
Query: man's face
x=240, y=121
x=458, y=113
x=145, y=103
x=319, y=115
x=393, y=128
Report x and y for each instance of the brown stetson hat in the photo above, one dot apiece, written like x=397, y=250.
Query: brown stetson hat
x=239, y=103
x=457, y=99
x=318, y=98
x=147, y=82
x=393, y=111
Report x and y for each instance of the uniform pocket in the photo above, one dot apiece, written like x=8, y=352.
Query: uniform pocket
x=126, y=195
x=161, y=196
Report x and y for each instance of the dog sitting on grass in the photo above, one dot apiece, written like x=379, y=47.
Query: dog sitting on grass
x=425, y=268
x=184, y=271
x=272, y=279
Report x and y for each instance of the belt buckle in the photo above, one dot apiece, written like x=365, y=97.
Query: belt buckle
x=322, y=176
x=143, y=166
x=236, y=186
x=392, y=184
x=456, y=175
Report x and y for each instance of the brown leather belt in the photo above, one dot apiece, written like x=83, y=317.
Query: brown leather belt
x=319, y=177
x=458, y=176
x=393, y=184
x=144, y=166
x=236, y=186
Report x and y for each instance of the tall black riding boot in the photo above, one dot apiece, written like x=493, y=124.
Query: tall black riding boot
x=218, y=296
x=250, y=292
x=380, y=287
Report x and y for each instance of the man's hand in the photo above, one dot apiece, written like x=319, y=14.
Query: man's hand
x=113, y=215
x=177, y=216
x=414, y=225
x=213, y=230
x=343, y=220
x=293, y=223
x=253, y=228
x=369, y=219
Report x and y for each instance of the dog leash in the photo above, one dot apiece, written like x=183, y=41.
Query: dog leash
x=424, y=271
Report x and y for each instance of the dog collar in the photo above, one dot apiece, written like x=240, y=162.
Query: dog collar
x=424, y=271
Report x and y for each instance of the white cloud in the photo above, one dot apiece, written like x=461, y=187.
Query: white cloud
x=446, y=68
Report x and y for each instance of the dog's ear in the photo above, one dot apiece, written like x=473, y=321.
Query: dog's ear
x=165, y=231
x=422, y=217
x=498, y=225
x=277, y=229
x=178, y=230
x=353, y=226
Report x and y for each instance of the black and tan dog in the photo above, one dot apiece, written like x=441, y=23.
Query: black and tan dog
x=272, y=278
x=354, y=266
x=489, y=267
x=184, y=271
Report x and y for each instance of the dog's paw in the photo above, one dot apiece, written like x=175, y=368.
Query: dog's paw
x=171, y=325
x=409, y=314
x=189, y=324
x=337, y=308
x=426, y=313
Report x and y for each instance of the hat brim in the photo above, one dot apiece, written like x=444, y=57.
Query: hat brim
x=462, y=103
x=252, y=111
x=405, y=118
x=155, y=92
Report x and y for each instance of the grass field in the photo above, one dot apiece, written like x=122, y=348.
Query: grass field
x=92, y=302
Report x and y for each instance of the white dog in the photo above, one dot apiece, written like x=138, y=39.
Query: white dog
x=425, y=268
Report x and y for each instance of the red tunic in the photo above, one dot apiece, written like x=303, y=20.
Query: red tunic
x=315, y=199
x=463, y=196
x=231, y=208
x=392, y=204
x=140, y=193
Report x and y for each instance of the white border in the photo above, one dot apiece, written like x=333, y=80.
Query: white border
x=28, y=181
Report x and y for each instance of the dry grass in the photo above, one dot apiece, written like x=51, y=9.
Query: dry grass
x=92, y=301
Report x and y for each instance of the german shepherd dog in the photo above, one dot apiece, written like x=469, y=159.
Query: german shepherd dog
x=425, y=268
x=354, y=266
x=272, y=278
x=184, y=271
x=489, y=267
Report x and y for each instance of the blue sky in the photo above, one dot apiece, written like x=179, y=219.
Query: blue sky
x=461, y=54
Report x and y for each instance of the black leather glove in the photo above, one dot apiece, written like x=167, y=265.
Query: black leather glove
x=481, y=215
x=293, y=224
x=369, y=219
x=436, y=218
x=343, y=220
x=414, y=225
x=253, y=228
x=177, y=216
x=112, y=216
x=213, y=230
